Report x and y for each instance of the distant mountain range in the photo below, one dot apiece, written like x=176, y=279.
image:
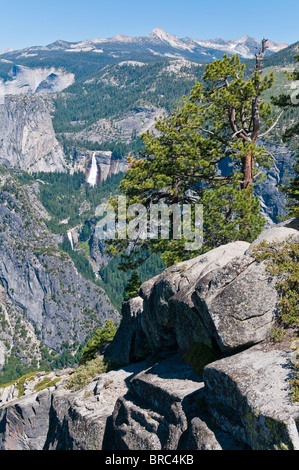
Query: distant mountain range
x=159, y=40
x=158, y=43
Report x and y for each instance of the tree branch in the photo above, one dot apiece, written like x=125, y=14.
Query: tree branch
x=272, y=127
x=257, y=175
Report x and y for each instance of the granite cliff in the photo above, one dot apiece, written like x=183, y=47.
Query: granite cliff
x=45, y=301
x=27, y=137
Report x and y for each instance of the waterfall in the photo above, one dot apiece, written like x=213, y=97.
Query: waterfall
x=92, y=178
x=70, y=237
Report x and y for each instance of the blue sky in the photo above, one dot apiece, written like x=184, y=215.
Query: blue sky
x=40, y=22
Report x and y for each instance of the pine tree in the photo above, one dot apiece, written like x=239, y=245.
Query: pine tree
x=218, y=125
x=131, y=289
x=102, y=335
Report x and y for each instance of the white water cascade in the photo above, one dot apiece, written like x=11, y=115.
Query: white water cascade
x=92, y=178
x=70, y=237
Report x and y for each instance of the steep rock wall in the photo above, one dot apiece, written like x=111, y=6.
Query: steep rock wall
x=41, y=291
x=27, y=137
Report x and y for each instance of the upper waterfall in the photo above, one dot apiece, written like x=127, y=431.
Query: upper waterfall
x=92, y=178
x=70, y=237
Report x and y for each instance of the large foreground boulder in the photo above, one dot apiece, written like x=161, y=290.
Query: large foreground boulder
x=159, y=321
x=249, y=394
x=224, y=298
x=235, y=304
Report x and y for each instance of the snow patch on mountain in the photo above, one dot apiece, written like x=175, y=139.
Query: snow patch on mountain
x=27, y=54
x=32, y=81
x=6, y=51
x=80, y=49
x=133, y=63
